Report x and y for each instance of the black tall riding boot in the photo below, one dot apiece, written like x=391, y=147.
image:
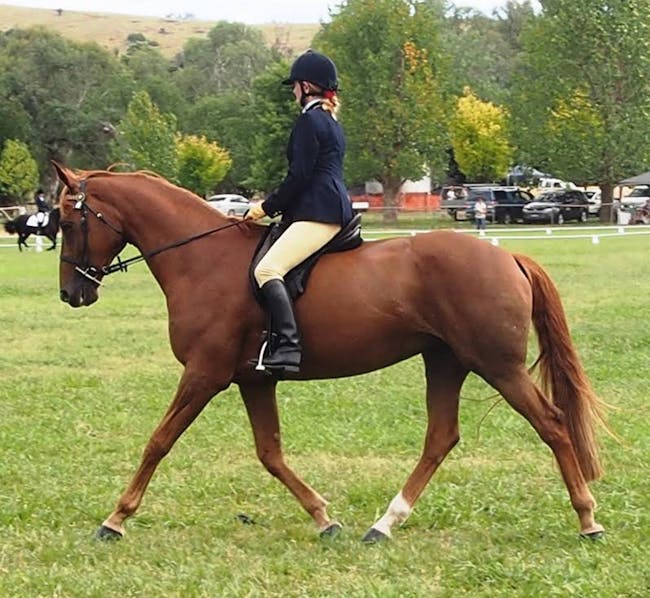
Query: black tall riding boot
x=286, y=351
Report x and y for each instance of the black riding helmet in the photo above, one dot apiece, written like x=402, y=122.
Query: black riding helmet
x=315, y=68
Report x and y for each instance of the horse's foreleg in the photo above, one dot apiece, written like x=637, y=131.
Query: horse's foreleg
x=193, y=394
x=445, y=378
x=520, y=392
x=261, y=406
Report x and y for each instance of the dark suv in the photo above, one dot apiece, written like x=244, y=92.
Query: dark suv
x=557, y=207
x=505, y=204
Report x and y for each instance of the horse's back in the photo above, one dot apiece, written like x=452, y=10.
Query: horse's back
x=393, y=296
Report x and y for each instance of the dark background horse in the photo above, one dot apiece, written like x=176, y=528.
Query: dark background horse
x=19, y=226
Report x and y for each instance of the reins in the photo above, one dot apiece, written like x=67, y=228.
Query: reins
x=92, y=273
x=122, y=265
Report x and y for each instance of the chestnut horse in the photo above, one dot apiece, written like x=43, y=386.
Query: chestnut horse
x=363, y=309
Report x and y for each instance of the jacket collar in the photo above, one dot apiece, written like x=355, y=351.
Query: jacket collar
x=310, y=105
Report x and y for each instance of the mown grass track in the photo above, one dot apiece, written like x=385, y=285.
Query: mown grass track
x=83, y=389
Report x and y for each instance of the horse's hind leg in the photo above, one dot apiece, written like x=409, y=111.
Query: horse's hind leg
x=193, y=394
x=524, y=396
x=445, y=377
x=261, y=405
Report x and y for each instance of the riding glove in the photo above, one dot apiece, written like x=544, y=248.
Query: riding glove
x=255, y=212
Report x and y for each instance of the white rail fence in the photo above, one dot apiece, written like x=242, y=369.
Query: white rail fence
x=496, y=235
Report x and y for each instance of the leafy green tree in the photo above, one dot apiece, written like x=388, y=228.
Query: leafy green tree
x=147, y=138
x=14, y=119
x=230, y=120
x=601, y=76
x=388, y=56
x=156, y=75
x=201, y=164
x=479, y=54
x=70, y=92
x=479, y=137
x=229, y=59
x=18, y=169
x=273, y=117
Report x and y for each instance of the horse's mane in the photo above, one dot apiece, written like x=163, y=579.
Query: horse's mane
x=248, y=227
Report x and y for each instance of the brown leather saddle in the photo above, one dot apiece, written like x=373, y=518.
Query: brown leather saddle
x=349, y=237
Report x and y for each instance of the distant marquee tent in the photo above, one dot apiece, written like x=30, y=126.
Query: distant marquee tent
x=639, y=179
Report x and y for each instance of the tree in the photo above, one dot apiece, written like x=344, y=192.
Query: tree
x=229, y=59
x=479, y=137
x=69, y=90
x=18, y=169
x=201, y=164
x=388, y=56
x=600, y=76
x=230, y=120
x=147, y=138
x=274, y=115
x=155, y=74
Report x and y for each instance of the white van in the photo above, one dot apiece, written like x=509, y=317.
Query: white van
x=546, y=184
x=637, y=197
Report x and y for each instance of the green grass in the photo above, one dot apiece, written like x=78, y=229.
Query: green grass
x=83, y=389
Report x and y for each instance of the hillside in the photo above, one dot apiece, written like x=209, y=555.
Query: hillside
x=111, y=30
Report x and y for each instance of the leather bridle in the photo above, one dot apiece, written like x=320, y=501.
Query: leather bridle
x=92, y=272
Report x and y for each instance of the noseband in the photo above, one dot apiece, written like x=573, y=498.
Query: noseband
x=92, y=272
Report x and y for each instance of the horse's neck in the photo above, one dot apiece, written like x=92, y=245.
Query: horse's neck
x=157, y=215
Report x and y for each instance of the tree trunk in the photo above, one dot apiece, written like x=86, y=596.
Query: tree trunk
x=391, y=198
x=607, y=215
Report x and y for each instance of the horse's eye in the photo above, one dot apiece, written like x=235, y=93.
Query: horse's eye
x=66, y=226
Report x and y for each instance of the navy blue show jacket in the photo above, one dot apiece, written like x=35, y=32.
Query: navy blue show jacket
x=313, y=189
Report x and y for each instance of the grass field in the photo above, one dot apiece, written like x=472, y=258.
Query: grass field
x=83, y=389
x=111, y=30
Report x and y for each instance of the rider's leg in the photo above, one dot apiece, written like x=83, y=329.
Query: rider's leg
x=296, y=244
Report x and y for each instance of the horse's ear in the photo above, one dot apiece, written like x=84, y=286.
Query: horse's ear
x=66, y=176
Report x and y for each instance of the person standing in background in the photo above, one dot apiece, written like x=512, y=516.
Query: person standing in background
x=480, y=212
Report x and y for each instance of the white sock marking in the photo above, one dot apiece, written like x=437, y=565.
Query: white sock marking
x=397, y=512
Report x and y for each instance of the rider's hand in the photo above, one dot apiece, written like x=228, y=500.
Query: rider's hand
x=255, y=212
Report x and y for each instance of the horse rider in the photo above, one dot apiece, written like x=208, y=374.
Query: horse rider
x=42, y=209
x=312, y=199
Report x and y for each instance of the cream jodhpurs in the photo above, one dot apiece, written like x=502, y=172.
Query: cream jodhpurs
x=296, y=244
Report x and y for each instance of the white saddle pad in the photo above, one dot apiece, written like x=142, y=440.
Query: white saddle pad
x=39, y=219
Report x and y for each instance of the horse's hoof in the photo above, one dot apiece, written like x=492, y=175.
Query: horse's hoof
x=332, y=530
x=106, y=534
x=595, y=535
x=245, y=519
x=374, y=536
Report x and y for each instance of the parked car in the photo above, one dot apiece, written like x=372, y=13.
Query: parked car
x=595, y=202
x=505, y=203
x=637, y=197
x=557, y=207
x=453, y=199
x=230, y=204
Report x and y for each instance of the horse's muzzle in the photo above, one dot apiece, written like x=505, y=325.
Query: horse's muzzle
x=79, y=295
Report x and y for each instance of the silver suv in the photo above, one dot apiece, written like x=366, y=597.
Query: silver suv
x=230, y=204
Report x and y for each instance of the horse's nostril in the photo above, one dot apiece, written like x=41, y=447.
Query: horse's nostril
x=64, y=296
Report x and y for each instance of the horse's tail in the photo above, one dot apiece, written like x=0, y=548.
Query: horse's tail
x=10, y=227
x=563, y=377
